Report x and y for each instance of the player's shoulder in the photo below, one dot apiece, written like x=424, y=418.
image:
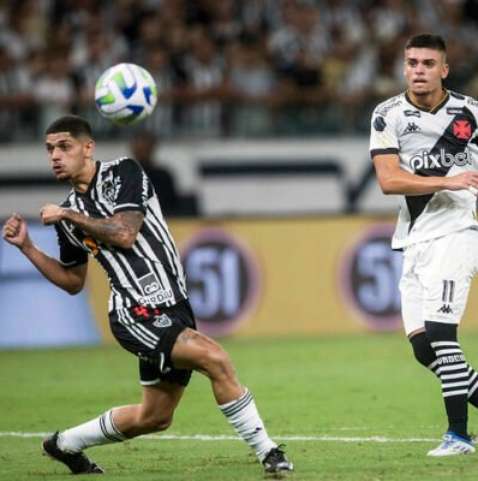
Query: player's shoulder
x=69, y=200
x=391, y=105
x=386, y=113
x=120, y=166
x=119, y=161
x=463, y=101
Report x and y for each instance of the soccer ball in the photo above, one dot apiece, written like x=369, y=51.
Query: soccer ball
x=125, y=93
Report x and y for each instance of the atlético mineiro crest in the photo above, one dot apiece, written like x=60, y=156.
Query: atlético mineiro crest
x=110, y=187
x=462, y=129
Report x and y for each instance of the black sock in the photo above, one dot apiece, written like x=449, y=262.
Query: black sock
x=425, y=355
x=422, y=350
x=451, y=368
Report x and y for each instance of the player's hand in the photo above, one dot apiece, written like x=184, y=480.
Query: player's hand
x=51, y=214
x=15, y=231
x=465, y=181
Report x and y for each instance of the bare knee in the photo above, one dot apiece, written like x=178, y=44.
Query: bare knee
x=151, y=422
x=194, y=350
x=217, y=363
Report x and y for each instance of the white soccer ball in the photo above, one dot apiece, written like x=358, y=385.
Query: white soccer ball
x=125, y=93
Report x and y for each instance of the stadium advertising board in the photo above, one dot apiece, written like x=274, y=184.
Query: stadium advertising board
x=368, y=279
x=223, y=280
x=296, y=276
x=34, y=312
x=264, y=277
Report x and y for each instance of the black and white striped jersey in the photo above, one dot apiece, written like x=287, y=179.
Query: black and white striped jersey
x=441, y=142
x=150, y=273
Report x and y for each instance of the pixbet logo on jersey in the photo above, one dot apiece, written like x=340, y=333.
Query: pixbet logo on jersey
x=426, y=160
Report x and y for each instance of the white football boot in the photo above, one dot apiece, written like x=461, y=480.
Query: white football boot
x=453, y=445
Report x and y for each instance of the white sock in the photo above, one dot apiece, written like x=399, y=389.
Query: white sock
x=243, y=415
x=100, y=430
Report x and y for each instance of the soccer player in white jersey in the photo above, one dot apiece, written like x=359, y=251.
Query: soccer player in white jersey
x=424, y=145
x=113, y=213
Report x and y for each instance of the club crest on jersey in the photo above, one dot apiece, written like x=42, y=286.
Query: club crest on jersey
x=426, y=160
x=110, y=187
x=462, y=129
x=162, y=321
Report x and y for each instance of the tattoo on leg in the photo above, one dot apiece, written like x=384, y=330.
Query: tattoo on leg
x=187, y=335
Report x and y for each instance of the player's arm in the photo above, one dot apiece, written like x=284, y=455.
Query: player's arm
x=70, y=279
x=120, y=230
x=394, y=180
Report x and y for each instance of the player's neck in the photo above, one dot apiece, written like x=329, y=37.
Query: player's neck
x=82, y=181
x=428, y=101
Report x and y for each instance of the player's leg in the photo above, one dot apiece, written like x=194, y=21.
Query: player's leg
x=413, y=316
x=425, y=355
x=446, y=277
x=193, y=350
x=412, y=299
x=453, y=373
x=154, y=413
x=419, y=299
x=411, y=291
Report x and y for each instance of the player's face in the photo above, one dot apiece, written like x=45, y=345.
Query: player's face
x=68, y=155
x=425, y=69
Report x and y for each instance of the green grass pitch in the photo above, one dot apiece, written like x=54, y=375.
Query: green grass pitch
x=341, y=391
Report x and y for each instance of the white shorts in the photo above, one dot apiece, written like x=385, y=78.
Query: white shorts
x=436, y=278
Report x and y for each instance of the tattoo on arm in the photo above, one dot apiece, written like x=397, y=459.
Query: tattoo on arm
x=119, y=230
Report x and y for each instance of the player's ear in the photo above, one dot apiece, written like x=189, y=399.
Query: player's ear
x=445, y=69
x=89, y=147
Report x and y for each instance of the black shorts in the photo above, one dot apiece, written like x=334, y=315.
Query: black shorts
x=150, y=334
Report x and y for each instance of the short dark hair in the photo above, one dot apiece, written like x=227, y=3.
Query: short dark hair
x=77, y=126
x=426, y=40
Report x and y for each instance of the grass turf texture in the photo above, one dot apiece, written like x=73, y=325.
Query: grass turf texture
x=346, y=387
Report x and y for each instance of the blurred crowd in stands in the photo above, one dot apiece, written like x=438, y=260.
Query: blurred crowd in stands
x=241, y=68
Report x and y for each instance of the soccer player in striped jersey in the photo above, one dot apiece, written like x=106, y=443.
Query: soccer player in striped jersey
x=424, y=144
x=113, y=214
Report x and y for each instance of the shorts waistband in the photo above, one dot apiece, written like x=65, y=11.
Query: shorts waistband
x=146, y=313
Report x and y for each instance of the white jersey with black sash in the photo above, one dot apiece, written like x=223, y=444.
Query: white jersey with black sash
x=148, y=274
x=440, y=142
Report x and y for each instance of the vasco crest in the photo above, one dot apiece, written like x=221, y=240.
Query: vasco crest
x=462, y=129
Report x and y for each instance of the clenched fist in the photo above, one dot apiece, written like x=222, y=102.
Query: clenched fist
x=15, y=231
x=51, y=214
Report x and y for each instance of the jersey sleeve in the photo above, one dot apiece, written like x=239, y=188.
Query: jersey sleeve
x=71, y=255
x=134, y=188
x=383, y=136
x=472, y=105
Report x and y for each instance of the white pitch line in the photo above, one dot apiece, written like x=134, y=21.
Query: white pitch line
x=221, y=437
